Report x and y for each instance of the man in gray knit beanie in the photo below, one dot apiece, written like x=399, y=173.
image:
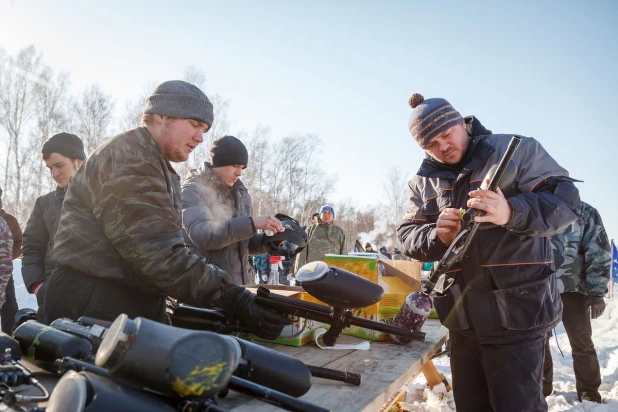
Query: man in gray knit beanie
x=119, y=247
x=179, y=99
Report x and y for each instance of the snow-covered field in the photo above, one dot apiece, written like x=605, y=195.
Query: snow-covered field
x=564, y=398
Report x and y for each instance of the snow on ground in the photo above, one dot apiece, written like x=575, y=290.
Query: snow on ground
x=564, y=398
x=24, y=299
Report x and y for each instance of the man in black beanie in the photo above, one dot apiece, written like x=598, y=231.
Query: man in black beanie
x=119, y=246
x=217, y=213
x=63, y=155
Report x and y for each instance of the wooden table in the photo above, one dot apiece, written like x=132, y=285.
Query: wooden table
x=385, y=368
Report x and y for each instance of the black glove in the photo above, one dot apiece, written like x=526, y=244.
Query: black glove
x=597, y=305
x=240, y=308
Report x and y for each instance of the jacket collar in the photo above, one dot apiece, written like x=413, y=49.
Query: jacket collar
x=60, y=192
x=147, y=138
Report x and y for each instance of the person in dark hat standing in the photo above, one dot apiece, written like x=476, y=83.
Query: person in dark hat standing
x=63, y=155
x=504, y=298
x=119, y=248
x=217, y=212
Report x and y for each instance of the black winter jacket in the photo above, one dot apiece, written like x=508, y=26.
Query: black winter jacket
x=505, y=288
x=38, y=238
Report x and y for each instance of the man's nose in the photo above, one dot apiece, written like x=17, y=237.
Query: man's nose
x=199, y=137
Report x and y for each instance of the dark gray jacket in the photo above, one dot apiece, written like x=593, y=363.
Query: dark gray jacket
x=505, y=288
x=38, y=237
x=218, y=225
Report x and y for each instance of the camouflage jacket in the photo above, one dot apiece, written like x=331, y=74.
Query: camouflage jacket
x=122, y=220
x=324, y=238
x=6, y=261
x=582, y=255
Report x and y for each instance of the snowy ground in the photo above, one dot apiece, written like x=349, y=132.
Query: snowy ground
x=564, y=398
x=24, y=299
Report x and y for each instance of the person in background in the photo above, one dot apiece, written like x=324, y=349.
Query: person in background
x=504, y=298
x=582, y=258
x=385, y=253
x=217, y=212
x=10, y=307
x=369, y=248
x=63, y=155
x=397, y=254
x=262, y=268
x=6, y=261
x=325, y=237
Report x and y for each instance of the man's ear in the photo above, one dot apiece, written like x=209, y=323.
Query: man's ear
x=159, y=118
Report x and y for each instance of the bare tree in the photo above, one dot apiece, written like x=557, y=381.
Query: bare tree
x=19, y=77
x=195, y=76
x=131, y=117
x=355, y=221
x=396, y=194
x=93, y=112
x=256, y=174
x=52, y=116
x=219, y=127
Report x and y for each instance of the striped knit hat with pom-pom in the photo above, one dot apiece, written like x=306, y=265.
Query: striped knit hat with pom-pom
x=431, y=117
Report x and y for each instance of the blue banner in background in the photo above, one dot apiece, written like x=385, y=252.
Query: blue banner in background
x=614, y=262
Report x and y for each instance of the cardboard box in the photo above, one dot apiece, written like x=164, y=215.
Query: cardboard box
x=306, y=335
x=399, y=279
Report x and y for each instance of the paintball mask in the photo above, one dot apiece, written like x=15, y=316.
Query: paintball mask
x=290, y=241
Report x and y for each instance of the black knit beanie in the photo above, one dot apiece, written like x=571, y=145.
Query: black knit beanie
x=228, y=150
x=66, y=144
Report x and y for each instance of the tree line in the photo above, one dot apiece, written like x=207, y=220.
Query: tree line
x=36, y=103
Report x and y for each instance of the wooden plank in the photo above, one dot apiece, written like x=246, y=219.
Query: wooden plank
x=384, y=368
x=431, y=374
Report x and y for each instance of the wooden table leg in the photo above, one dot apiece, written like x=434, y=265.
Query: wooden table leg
x=431, y=374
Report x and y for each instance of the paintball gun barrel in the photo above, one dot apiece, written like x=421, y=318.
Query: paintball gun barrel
x=338, y=317
x=457, y=249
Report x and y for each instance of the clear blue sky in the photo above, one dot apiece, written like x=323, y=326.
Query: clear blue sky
x=344, y=71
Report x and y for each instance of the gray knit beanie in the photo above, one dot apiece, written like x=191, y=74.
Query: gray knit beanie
x=430, y=117
x=179, y=99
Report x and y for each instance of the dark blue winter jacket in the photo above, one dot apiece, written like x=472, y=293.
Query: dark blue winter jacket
x=505, y=288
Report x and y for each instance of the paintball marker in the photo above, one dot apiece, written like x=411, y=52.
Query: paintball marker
x=178, y=365
x=438, y=281
x=340, y=289
x=418, y=305
x=260, y=364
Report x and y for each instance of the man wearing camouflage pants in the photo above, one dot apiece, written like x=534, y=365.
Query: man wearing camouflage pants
x=582, y=258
